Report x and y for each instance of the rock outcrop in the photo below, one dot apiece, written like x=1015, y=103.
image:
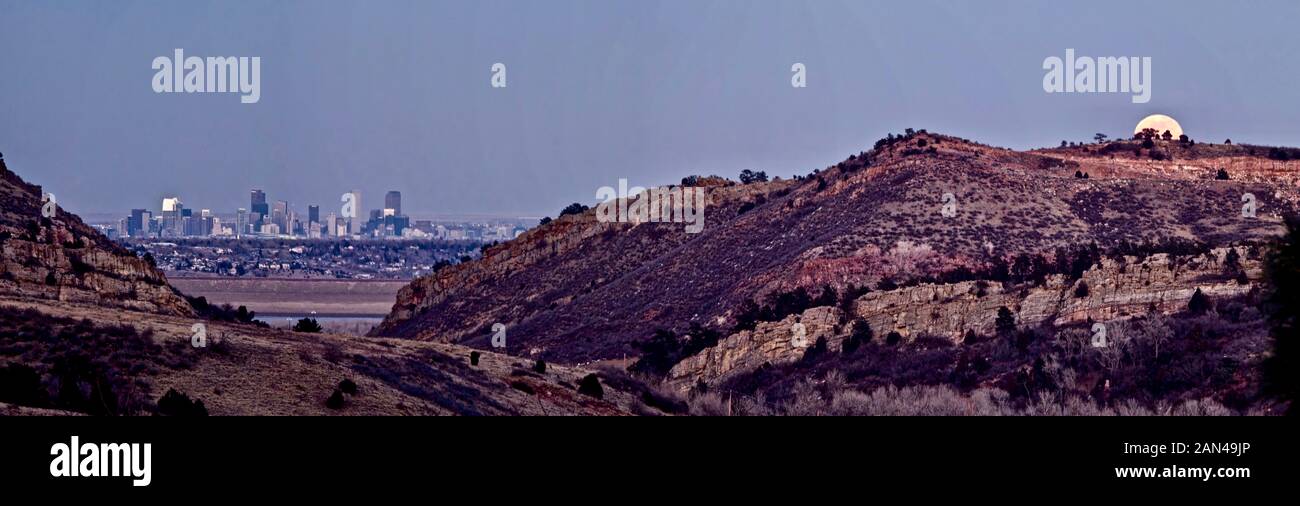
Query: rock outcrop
x=61, y=258
x=1116, y=291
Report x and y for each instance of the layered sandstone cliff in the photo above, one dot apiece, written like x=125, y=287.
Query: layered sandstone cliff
x=1117, y=289
x=61, y=258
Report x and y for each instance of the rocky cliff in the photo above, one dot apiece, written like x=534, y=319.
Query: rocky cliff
x=1117, y=290
x=61, y=258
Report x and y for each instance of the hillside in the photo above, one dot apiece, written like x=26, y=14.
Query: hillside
x=577, y=290
x=88, y=328
x=61, y=258
x=89, y=359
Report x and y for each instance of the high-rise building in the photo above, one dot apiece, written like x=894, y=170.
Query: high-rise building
x=393, y=200
x=172, y=211
x=257, y=205
x=207, y=223
x=135, y=225
x=280, y=215
x=329, y=226
x=313, y=214
x=241, y=222
x=352, y=213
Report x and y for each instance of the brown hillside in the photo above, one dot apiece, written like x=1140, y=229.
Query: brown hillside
x=61, y=258
x=578, y=290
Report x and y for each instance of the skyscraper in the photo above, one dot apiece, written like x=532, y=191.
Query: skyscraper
x=313, y=214
x=280, y=215
x=393, y=200
x=330, y=226
x=136, y=225
x=352, y=212
x=258, y=206
x=172, y=212
x=241, y=222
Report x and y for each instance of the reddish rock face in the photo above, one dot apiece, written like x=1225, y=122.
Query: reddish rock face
x=1117, y=291
x=578, y=290
x=63, y=259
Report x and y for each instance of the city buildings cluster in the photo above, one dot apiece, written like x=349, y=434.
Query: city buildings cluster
x=267, y=219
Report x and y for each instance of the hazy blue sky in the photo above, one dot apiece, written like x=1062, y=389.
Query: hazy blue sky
x=395, y=95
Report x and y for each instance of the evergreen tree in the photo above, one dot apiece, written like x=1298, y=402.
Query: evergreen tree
x=1005, y=322
x=308, y=325
x=1199, y=303
x=1282, y=370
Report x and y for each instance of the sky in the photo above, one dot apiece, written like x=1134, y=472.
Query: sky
x=383, y=95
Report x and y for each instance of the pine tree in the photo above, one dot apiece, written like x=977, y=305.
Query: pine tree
x=1282, y=370
x=1199, y=303
x=1006, y=321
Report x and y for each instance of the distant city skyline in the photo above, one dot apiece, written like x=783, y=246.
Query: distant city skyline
x=380, y=95
x=267, y=218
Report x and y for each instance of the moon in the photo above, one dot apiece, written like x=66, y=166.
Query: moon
x=1160, y=123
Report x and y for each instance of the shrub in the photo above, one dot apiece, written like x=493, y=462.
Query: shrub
x=818, y=349
x=574, y=208
x=1199, y=303
x=590, y=386
x=1005, y=322
x=348, y=386
x=473, y=357
x=522, y=387
x=335, y=401
x=539, y=367
x=861, y=334
x=1222, y=175
x=893, y=338
x=21, y=385
x=748, y=176
x=665, y=401
x=1081, y=290
x=174, y=403
x=660, y=353
x=1232, y=262
x=308, y=325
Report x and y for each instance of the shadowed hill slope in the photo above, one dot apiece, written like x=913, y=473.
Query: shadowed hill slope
x=579, y=290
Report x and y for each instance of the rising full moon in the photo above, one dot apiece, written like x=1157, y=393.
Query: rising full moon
x=1160, y=123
